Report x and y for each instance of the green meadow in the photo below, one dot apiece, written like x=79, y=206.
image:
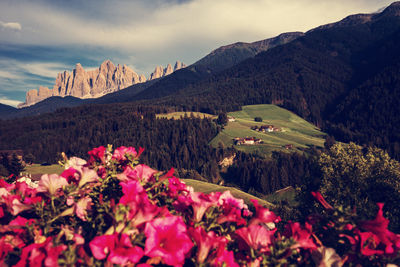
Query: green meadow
x=293, y=130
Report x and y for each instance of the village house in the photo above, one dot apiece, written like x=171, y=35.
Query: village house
x=231, y=119
x=289, y=146
x=266, y=128
x=247, y=141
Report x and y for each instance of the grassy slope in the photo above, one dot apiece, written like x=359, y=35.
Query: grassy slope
x=35, y=169
x=295, y=130
x=198, y=186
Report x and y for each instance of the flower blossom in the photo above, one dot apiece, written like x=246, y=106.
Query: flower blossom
x=135, y=197
x=302, y=236
x=379, y=227
x=51, y=183
x=167, y=238
x=120, y=153
x=117, y=250
x=257, y=237
x=141, y=172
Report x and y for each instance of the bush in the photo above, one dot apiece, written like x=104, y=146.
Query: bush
x=113, y=210
x=258, y=119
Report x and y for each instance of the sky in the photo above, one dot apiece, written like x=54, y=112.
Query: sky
x=40, y=38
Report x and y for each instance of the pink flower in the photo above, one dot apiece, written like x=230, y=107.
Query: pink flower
x=263, y=215
x=176, y=187
x=205, y=242
x=39, y=254
x=75, y=163
x=121, y=153
x=87, y=176
x=84, y=204
x=257, y=237
x=124, y=252
x=227, y=258
x=379, y=227
x=302, y=236
x=101, y=246
x=141, y=172
x=71, y=174
x=201, y=202
x=97, y=154
x=51, y=183
x=368, y=244
x=321, y=199
x=116, y=250
x=140, y=208
x=232, y=209
x=167, y=239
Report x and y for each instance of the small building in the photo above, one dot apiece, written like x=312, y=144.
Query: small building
x=265, y=128
x=246, y=141
x=231, y=119
x=288, y=146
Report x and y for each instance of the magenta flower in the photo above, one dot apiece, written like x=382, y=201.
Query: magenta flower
x=97, y=154
x=124, y=252
x=302, y=236
x=257, y=237
x=176, y=187
x=101, y=246
x=227, y=258
x=232, y=209
x=321, y=199
x=41, y=254
x=121, y=153
x=201, y=202
x=140, y=208
x=263, y=215
x=141, y=172
x=205, y=242
x=51, y=183
x=167, y=238
x=379, y=227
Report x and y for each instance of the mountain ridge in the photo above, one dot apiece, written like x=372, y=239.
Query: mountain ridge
x=108, y=78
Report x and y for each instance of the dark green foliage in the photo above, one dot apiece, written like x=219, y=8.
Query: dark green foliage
x=222, y=119
x=258, y=119
x=10, y=165
x=168, y=143
x=253, y=173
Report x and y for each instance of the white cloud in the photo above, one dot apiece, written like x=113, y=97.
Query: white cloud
x=44, y=69
x=173, y=25
x=10, y=102
x=10, y=26
x=8, y=75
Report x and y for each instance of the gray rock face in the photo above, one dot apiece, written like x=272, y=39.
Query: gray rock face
x=160, y=72
x=108, y=78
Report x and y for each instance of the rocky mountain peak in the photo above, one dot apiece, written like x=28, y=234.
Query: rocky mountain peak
x=106, y=79
x=160, y=72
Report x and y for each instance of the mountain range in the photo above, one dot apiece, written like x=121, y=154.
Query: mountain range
x=343, y=77
x=108, y=78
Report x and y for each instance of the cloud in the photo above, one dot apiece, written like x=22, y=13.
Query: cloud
x=10, y=102
x=44, y=69
x=10, y=26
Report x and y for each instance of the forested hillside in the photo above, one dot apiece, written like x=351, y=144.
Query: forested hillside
x=342, y=77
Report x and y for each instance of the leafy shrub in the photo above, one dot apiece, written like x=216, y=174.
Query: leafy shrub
x=113, y=210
